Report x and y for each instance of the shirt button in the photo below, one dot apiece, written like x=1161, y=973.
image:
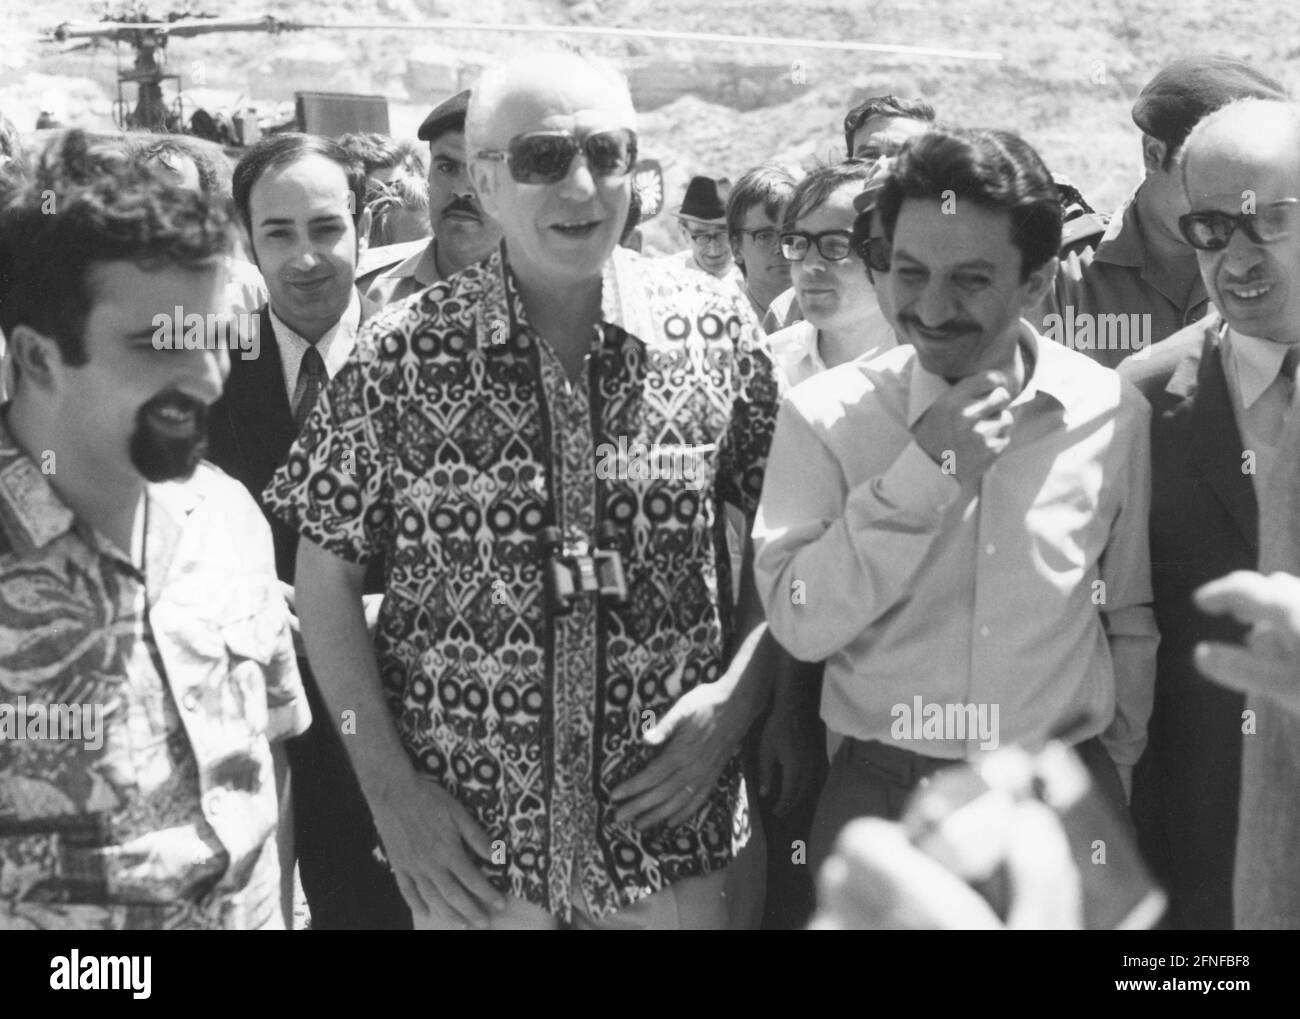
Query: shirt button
x=214, y=799
x=984, y=631
x=990, y=548
x=190, y=701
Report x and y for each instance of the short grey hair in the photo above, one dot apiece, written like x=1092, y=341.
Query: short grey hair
x=502, y=78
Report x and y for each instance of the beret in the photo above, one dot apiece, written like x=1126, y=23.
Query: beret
x=1188, y=89
x=448, y=115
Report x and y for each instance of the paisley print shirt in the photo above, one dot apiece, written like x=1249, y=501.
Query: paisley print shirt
x=135, y=710
x=446, y=444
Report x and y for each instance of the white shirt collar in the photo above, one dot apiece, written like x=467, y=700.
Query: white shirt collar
x=796, y=352
x=1255, y=364
x=335, y=346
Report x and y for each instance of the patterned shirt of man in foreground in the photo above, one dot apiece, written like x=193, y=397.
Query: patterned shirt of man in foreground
x=583, y=763
x=145, y=655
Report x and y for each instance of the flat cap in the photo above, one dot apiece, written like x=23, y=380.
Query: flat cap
x=1192, y=87
x=448, y=115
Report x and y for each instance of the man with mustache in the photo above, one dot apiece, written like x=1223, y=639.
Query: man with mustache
x=136, y=583
x=462, y=233
x=300, y=199
x=959, y=526
x=1221, y=394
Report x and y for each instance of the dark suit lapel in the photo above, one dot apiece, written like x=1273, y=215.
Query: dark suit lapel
x=262, y=421
x=1216, y=441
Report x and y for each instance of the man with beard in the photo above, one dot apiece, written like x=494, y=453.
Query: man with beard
x=144, y=648
x=959, y=526
x=462, y=234
x=300, y=199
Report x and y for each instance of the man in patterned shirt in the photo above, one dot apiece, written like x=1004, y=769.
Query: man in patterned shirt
x=145, y=655
x=547, y=753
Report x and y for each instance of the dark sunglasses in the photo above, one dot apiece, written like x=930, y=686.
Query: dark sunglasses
x=1212, y=231
x=833, y=245
x=544, y=157
x=876, y=253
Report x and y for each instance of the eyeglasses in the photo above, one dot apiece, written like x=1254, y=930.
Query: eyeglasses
x=544, y=157
x=708, y=238
x=833, y=245
x=1212, y=231
x=876, y=253
x=764, y=237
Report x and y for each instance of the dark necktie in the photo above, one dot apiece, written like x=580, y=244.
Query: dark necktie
x=312, y=370
x=1289, y=364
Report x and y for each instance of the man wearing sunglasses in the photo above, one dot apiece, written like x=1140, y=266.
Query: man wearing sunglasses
x=546, y=725
x=965, y=514
x=1221, y=393
x=1140, y=283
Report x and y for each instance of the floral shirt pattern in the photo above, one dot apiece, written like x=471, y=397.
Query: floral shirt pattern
x=160, y=810
x=447, y=443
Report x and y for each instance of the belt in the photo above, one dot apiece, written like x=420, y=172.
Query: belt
x=908, y=769
x=904, y=768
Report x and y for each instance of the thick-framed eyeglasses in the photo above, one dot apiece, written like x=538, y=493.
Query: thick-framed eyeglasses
x=764, y=236
x=1213, y=230
x=544, y=157
x=832, y=245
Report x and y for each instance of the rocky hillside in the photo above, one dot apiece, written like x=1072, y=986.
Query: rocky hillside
x=1068, y=74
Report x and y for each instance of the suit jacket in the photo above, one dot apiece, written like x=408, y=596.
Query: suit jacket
x=1204, y=524
x=251, y=428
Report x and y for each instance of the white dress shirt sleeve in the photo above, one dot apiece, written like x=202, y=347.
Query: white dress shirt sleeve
x=830, y=562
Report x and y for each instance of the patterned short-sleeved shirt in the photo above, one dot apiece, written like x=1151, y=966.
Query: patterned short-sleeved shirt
x=447, y=443
x=136, y=710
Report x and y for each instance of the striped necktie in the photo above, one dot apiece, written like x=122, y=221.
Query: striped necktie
x=312, y=370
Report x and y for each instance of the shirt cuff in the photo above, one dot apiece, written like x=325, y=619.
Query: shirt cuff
x=917, y=484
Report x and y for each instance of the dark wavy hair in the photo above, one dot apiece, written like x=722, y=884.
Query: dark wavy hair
x=81, y=204
x=207, y=157
x=379, y=151
x=884, y=106
x=993, y=169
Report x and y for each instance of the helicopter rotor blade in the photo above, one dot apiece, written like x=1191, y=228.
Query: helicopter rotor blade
x=124, y=31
